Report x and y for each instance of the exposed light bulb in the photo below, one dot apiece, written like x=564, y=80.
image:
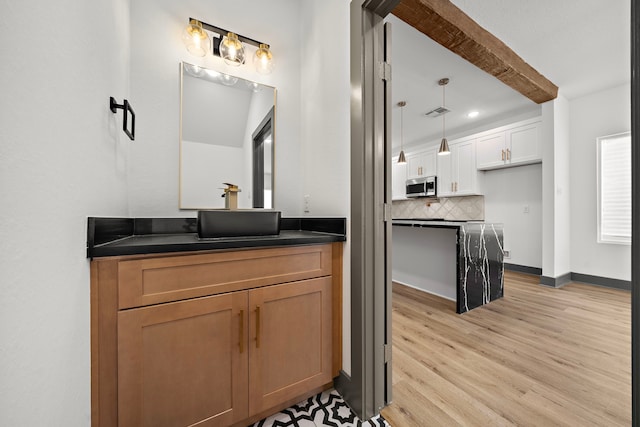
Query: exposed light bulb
x=263, y=59
x=232, y=50
x=473, y=114
x=196, y=39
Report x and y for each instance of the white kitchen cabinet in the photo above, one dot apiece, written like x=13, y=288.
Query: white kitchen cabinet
x=524, y=144
x=457, y=173
x=422, y=163
x=518, y=144
x=398, y=180
x=490, y=151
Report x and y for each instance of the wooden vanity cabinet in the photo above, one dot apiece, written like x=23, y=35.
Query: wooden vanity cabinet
x=180, y=363
x=222, y=359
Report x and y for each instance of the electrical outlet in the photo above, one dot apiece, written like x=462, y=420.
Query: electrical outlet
x=307, y=209
x=526, y=209
x=507, y=254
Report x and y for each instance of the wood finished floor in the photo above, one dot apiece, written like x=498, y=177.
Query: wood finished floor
x=537, y=357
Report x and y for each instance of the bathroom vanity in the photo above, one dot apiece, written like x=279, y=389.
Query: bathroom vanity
x=211, y=332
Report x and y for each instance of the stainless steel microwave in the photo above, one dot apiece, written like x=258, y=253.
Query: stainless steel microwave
x=422, y=187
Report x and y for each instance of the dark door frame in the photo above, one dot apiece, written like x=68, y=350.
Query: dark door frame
x=368, y=388
x=635, y=226
x=257, y=138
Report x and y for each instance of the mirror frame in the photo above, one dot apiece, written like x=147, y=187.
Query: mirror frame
x=272, y=113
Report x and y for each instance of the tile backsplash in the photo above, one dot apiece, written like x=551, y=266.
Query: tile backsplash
x=468, y=208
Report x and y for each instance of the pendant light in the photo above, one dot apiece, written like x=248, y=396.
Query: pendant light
x=444, y=145
x=401, y=158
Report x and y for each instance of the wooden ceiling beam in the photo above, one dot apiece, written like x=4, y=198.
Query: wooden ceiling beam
x=449, y=26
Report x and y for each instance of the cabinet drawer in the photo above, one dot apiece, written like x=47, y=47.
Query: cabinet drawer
x=156, y=280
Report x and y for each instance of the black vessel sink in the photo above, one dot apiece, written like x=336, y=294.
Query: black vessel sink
x=238, y=223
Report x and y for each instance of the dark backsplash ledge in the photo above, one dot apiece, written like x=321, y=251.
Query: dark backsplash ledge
x=103, y=231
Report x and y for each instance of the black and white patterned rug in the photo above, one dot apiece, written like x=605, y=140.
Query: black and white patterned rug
x=324, y=409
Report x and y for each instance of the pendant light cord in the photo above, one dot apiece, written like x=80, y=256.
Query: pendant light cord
x=443, y=114
x=402, y=128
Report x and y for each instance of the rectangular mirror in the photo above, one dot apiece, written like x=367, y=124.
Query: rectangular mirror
x=227, y=135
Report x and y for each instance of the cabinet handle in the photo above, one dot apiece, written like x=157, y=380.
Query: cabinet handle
x=241, y=331
x=420, y=170
x=456, y=187
x=258, y=327
x=452, y=186
x=503, y=155
x=508, y=154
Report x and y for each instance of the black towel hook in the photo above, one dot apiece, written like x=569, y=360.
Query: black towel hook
x=126, y=108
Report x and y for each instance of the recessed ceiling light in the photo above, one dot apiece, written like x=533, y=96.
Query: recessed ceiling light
x=473, y=114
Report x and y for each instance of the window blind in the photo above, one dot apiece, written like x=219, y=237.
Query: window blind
x=614, y=189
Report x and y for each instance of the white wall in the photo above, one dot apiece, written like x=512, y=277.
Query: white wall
x=556, y=208
x=205, y=168
x=325, y=115
x=63, y=157
x=507, y=193
x=157, y=50
x=562, y=214
x=599, y=114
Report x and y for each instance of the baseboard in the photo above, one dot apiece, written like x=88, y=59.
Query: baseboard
x=601, y=281
x=424, y=290
x=605, y=282
x=523, y=269
x=555, y=282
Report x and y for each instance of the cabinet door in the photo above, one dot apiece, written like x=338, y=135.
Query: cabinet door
x=524, y=144
x=415, y=168
x=490, y=151
x=289, y=341
x=398, y=180
x=465, y=172
x=422, y=163
x=445, y=175
x=184, y=363
x=430, y=163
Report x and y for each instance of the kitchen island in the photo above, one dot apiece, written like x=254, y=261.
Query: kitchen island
x=458, y=260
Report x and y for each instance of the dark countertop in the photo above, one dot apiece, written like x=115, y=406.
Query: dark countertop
x=418, y=222
x=136, y=236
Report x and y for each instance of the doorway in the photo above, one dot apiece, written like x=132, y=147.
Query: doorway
x=365, y=294
x=262, y=162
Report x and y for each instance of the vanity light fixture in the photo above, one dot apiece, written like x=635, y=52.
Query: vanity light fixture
x=401, y=157
x=196, y=39
x=263, y=59
x=227, y=45
x=444, y=145
x=232, y=50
